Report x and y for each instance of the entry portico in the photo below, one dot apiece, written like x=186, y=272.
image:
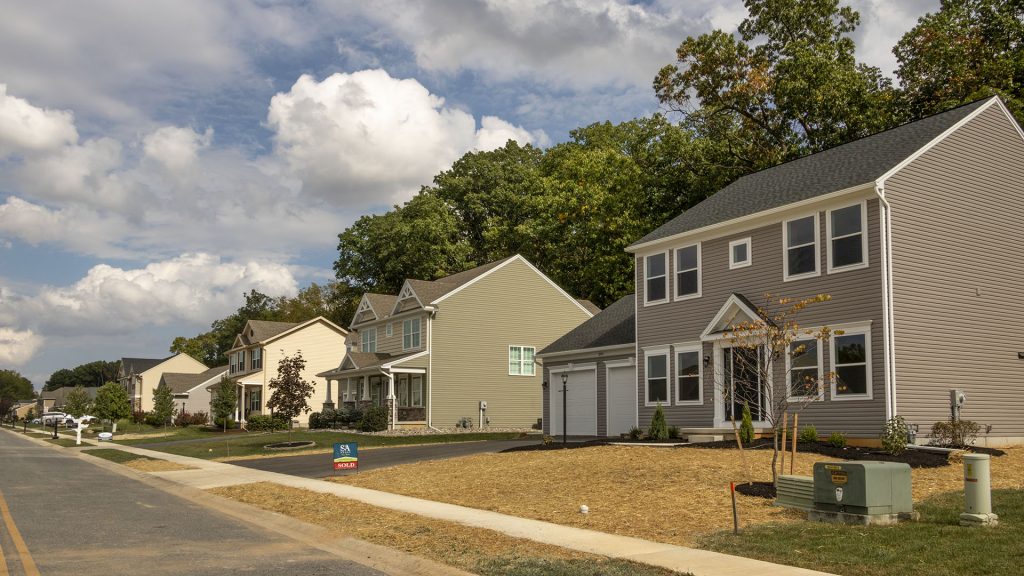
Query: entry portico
x=396, y=381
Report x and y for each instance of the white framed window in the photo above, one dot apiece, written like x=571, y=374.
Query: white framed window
x=346, y=391
x=847, y=237
x=411, y=334
x=520, y=361
x=656, y=377
x=388, y=331
x=257, y=358
x=805, y=367
x=231, y=363
x=688, y=272
x=689, y=374
x=368, y=343
x=739, y=253
x=850, y=355
x=800, y=242
x=416, y=392
x=402, y=389
x=656, y=278
x=241, y=361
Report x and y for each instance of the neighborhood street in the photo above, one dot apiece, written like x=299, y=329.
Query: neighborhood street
x=67, y=516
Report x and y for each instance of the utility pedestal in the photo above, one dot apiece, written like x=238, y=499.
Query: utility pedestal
x=977, y=492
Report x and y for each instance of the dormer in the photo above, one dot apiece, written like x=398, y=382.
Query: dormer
x=407, y=299
x=365, y=312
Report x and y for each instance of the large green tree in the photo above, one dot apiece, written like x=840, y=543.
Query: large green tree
x=224, y=401
x=77, y=402
x=163, y=404
x=112, y=403
x=290, y=392
x=88, y=375
x=13, y=387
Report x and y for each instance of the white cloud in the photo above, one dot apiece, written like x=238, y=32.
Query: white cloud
x=366, y=138
x=24, y=128
x=882, y=24
x=18, y=346
x=176, y=148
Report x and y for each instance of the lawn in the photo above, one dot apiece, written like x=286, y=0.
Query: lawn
x=935, y=545
x=67, y=442
x=136, y=461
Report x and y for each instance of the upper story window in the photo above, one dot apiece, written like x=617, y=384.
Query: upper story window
x=257, y=359
x=739, y=253
x=368, y=343
x=847, y=240
x=851, y=361
x=388, y=331
x=800, y=237
x=241, y=361
x=520, y=360
x=805, y=369
x=688, y=272
x=411, y=334
x=656, y=280
x=231, y=363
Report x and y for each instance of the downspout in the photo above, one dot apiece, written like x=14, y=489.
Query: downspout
x=430, y=367
x=888, y=329
x=390, y=399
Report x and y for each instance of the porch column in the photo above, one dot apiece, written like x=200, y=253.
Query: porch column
x=392, y=405
x=328, y=402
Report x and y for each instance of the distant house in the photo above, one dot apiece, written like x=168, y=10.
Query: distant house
x=462, y=346
x=140, y=376
x=191, y=393
x=53, y=400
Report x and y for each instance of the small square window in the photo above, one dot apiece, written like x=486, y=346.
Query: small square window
x=739, y=253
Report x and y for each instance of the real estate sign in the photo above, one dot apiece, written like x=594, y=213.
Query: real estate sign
x=346, y=456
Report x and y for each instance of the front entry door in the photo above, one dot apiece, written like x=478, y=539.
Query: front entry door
x=743, y=382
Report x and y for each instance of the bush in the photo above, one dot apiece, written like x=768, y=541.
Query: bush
x=808, y=434
x=464, y=422
x=264, y=423
x=658, y=430
x=193, y=419
x=894, y=435
x=353, y=416
x=673, y=432
x=837, y=439
x=746, y=426
x=138, y=417
x=314, y=421
x=153, y=419
x=955, y=433
x=547, y=440
x=219, y=422
x=375, y=419
x=635, y=433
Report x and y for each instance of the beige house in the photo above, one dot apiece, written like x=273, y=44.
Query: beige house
x=254, y=358
x=191, y=391
x=458, y=347
x=141, y=376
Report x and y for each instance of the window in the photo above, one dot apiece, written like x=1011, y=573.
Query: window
x=231, y=363
x=411, y=334
x=520, y=361
x=402, y=390
x=416, y=396
x=801, y=241
x=241, y=361
x=255, y=396
x=847, y=240
x=804, y=368
x=688, y=271
x=739, y=253
x=851, y=361
x=688, y=376
x=369, y=341
x=389, y=330
x=346, y=392
x=655, y=289
x=657, y=378
x=257, y=359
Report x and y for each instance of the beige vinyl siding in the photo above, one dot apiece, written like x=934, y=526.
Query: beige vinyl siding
x=180, y=363
x=322, y=349
x=958, y=274
x=856, y=297
x=393, y=344
x=472, y=331
x=602, y=384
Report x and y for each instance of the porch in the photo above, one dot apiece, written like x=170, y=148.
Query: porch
x=370, y=379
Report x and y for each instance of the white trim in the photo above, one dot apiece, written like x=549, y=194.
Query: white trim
x=430, y=373
x=732, y=300
x=571, y=367
x=719, y=420
x=850, y=329
x=588, y=351
x=636, y=356
x=522, y=361
x=364, y=341
x=668, y=296
x=786, y=276
x=821, y=370
x=652, y=351
x=631, y=361
x=684, y=347
x=888, y=331
x=404, y=294
x=408, y=371
x=608, y=366
x=389, y=330
x=388, y=365
x=750, y=257
x=863, y=239
x=675, y=274
x=209, y=382
x=418, y=333
x=389, y=319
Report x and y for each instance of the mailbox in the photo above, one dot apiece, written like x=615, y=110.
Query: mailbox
x=867, y=488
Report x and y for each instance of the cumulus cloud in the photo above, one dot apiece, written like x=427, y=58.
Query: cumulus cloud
x=369, y=138
x=18, y=346
x=25, y=128
x=174, y=147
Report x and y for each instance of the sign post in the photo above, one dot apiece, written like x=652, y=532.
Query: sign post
x=346, y=456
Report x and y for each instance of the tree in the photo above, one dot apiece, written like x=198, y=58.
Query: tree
x=291, y=394
x=112, y=403
x=202, y=347
x=967, y=50
x=77, y=403
x=13, y=387
x=90, y=375
x=224, y=401
x=163, y=404
x=60, y=379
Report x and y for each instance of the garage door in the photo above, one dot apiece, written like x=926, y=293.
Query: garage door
x=621, y=399
x=582, y=403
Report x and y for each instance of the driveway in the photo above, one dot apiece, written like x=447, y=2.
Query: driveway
x=320, y=465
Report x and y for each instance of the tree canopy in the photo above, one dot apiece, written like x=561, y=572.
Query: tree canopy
x=88, y=375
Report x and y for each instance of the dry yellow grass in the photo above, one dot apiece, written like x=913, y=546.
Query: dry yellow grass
x=155, y=465
x=663, y=494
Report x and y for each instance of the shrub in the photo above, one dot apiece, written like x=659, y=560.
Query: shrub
x=673, y=432
x=658, y=430
x=464, y=422
x=955, y=433
x=808, y=434
x=153, y=419
x=894, y=435
x=264, y=423
x=635, y=433
x=193, y=419
x=314, y=421
x=547, y=440
x=837, y=439
x=375, y=419
x=138, y=417
x=746, y=426
x=219, y=422
x=353, y=416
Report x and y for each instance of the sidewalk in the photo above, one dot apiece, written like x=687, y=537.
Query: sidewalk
x=208, y=474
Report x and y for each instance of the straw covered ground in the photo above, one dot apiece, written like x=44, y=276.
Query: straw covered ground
x=155, y=465
x=669, y=495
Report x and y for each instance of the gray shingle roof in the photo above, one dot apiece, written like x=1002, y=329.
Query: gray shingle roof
x=140, y=365
x=382, y=303
x=264, y=329
x=364, y=360
x=613, y=326
x=845, y=166
x=179, y=383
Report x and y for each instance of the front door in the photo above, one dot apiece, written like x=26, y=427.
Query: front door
x=741, y=367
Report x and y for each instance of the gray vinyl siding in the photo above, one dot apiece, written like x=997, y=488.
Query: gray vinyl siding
x=856, y=297
x=602, y=384
x=393, y=344
x=958, y=274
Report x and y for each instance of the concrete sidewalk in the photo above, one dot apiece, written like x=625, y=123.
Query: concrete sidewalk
x=209, y=474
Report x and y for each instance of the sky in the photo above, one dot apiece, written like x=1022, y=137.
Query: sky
x=159, y=159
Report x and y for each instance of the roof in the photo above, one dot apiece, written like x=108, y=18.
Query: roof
x=845, y=166
x=613, y=326
x=180, y=383
x=60, y=394
x=140, y=365
x=382, y=303
x=264, y=329
x=366, y=360
x=590, y=306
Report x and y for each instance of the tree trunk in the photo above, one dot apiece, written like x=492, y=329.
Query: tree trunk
x=775, y=456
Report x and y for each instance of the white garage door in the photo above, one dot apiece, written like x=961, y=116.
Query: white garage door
x=582, y=403
x=621, y=399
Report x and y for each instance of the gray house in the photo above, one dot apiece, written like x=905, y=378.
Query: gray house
x=917, y=233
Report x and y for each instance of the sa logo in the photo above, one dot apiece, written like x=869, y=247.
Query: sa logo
x=839, y=494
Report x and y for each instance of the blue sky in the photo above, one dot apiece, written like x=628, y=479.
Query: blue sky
x=158, y=159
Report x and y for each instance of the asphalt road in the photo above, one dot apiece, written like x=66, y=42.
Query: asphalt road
x=78, y=519
x=320, y=465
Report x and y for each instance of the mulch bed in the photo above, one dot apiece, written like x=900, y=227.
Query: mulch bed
x=557, y=445
x=757, y=489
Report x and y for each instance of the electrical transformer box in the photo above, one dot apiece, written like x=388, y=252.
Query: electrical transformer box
x=866, y=488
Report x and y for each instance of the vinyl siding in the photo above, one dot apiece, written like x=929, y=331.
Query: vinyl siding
x=958, y=273
x=393, y=344
x=322, y=349
x=856, y=297
x=472, y=331
x=602, y=384
x=181, y=363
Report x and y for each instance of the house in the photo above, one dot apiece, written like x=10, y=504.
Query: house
x=458, y=348
x=917, y=235
x=593, y=367
x=191, y=391
x=258, y=350
x=53, y=400
x=140, y=376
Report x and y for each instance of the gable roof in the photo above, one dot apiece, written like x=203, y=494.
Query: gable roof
x=736, y=306
x=382, y=304
x=60, y=394
x=613, y=326
x=263, y=331
x=590, y=306
x=180, y=383
x=842, y=167
x=140, y=365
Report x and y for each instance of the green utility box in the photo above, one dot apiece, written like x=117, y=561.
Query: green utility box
x=864, y=488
